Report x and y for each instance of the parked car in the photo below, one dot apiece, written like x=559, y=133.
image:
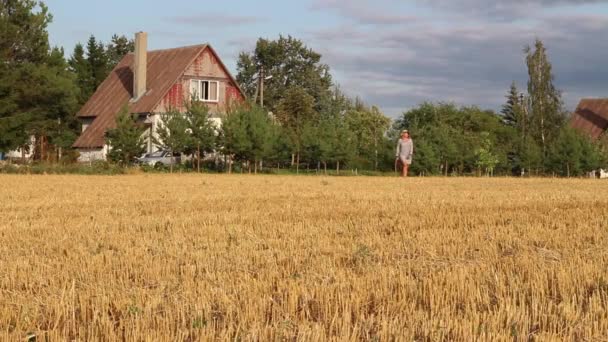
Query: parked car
x=159, y=158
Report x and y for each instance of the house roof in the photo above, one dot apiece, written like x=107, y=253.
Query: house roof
x=591, y=117
x=164, y=69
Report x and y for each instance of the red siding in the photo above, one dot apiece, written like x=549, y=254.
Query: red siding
x=175, y=97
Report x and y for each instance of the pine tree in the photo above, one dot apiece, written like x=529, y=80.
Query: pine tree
x=234, y=141
x=119, y=46
x=510, y=110
x=172, y=133
x=202, y=130
x=37, y=96
x=79, y=65
x=98, y=63
x=126, y=141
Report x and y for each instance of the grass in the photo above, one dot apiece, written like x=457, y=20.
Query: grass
x=197, y=257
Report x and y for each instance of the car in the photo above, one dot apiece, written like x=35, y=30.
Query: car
x=159, y=158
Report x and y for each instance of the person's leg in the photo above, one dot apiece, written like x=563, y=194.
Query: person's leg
x=406, y=168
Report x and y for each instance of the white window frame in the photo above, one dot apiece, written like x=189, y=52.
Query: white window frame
x=199, y=90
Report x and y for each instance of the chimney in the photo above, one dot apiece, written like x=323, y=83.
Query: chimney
x=140, y=65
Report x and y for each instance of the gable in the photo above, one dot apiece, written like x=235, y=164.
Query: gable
x=205, y=66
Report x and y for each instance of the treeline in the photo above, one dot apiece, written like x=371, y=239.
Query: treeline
x=41, y=90
x=531, y=135
x=296, y=116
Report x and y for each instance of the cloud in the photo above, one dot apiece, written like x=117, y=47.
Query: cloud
x=362, y=13
x=464, y=62
x=213, y=19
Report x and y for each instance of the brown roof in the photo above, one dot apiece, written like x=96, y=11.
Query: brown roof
x=165, y=67
x=591, y=117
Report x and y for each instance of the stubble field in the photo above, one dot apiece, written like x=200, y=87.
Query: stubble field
x=263, y=258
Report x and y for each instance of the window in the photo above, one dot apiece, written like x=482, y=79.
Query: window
x=207, y=91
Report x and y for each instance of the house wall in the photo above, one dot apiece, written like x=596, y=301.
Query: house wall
x=204, y=67
x=91, y=155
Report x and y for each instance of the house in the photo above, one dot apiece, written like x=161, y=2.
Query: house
x=591, y=117
x=152, y=82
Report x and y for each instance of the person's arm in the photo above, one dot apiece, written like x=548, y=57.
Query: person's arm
x=412, y=150
x=398, y=149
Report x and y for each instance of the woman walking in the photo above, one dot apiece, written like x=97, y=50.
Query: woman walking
x=405, y=150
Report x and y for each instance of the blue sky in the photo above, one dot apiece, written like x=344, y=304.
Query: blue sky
x=391, y=53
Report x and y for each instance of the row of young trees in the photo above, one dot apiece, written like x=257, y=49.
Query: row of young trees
x=254, y=139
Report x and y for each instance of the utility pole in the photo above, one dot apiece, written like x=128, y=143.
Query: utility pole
x=262, y=86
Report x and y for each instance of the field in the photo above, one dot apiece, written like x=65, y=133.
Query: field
x=188, y=258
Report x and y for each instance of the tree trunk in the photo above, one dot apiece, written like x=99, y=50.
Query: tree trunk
x=255, y=167
x=325, y=167
x=198, y=158
x=293, y=159
x=338, y=168
x=229, y=162
x=298, y=163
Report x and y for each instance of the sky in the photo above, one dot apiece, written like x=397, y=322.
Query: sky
x=392, y=53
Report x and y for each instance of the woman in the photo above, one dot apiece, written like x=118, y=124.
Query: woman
x=405, y=150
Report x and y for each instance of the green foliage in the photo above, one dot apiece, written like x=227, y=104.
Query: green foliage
x=173, y=133
x=368, y=126
x=249, y=135
x=449, y=139
x=486, y=159
x=573, y=154
x=118, y=47
x=293, y=112
x=512, y=110
x=203, y=134
x=546, y=115
x=126, y=141
x=291, y=64
x=19, y=45
x=95, y=168
x=37, y=93
x=91, y=67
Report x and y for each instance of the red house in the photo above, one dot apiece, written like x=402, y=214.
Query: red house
x=149, y=83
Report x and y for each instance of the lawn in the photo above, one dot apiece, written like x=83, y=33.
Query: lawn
x=198, y=257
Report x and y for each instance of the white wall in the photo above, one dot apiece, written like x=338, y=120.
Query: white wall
x=91, y=155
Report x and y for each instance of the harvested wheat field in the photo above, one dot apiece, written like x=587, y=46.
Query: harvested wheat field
x=263, y=258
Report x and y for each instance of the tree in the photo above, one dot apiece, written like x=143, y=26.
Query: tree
x=37, y=96
x=79, y=66
x=202, y=130
x=98, y=63
x=486, y=159
x=118, y=47
x=126, y=141
x=545, y=105
x=234, y=141
x=511, y=110
x=369, y=126
x=291, y=64
x=19, y=45
x=248, y=135
x=293, y=112
x=172, y=133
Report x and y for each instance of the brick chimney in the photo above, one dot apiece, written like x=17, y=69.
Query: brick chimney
x=140, y=65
